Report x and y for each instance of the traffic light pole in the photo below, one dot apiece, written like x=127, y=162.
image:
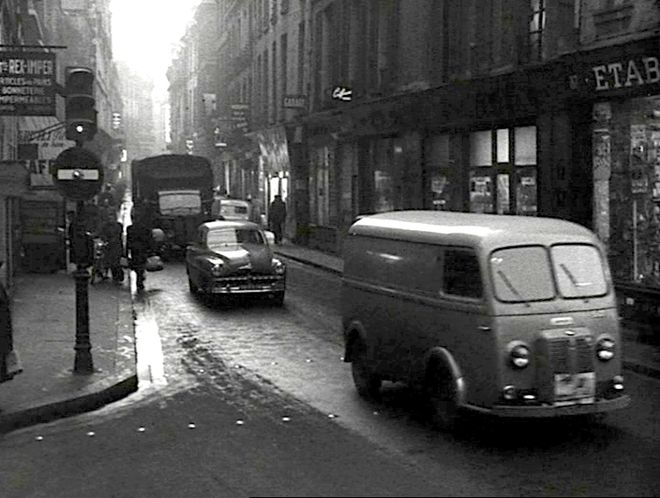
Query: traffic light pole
x=83, y=363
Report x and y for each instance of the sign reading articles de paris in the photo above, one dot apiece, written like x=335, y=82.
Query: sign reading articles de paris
x=27, y=84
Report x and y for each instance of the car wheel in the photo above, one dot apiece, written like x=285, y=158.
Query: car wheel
x=366, y=381
x=278, y=299
x=192, y=286
x=443, y=399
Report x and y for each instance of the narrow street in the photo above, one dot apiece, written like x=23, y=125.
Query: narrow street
x=252, y=399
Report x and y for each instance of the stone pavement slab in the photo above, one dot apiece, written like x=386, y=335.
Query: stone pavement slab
x=44, y=320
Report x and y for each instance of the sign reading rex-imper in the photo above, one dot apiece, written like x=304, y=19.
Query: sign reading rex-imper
x=27, y=84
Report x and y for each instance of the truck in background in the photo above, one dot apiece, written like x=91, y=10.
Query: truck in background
x=176, y=191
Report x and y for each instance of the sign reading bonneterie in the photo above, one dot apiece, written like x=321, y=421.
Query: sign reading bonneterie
x=27, y=84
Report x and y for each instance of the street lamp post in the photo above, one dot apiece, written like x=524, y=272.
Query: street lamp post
x=79, y=174
x=83, y=363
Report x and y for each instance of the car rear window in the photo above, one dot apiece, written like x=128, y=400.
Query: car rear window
x=579, y=270
x=522, y=274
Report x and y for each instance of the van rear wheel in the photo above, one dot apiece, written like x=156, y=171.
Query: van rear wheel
x=366, y=381
x=443, y=400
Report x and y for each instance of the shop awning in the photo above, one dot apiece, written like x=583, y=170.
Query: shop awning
x=274, y=148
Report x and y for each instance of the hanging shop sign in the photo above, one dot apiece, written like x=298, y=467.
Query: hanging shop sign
x=27, y=83
x=294, y=101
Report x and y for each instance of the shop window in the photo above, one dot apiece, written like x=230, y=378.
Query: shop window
x=384, y=182
x=438, y=174
x=481, y=144
x=319, y=186
x=498, y=184
x=525, y=145
x=503, y=145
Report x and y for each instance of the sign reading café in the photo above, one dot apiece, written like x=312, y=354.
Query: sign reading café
x=27, y=83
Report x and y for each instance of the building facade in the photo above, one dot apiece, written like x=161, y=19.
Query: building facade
x=77, y=32
x=534, y=108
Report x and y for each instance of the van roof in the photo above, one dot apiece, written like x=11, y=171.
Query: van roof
x=470, y=229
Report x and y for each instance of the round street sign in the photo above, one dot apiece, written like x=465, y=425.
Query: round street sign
x=78, y=173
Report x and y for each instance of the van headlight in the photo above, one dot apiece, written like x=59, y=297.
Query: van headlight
x=278, y=267
x=605, y=348
x=519, y=354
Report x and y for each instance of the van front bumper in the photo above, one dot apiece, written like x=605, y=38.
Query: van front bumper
x=547, y=411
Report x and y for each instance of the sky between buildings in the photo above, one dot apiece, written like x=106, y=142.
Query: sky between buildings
x=145, y=34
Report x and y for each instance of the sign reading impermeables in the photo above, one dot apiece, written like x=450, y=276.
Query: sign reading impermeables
x=27, y=84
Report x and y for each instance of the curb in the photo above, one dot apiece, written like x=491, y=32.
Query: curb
x=93, y=396
x=641, y=369
x=308, y=262
x=97, y=396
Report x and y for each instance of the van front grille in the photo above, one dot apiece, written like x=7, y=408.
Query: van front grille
x=561, y=351
x=570, y=355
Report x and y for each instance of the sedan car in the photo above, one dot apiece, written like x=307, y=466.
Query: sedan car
x=234, y=257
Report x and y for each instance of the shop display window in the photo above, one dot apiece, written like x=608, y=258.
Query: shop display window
x=503, y=176
x=437, y=163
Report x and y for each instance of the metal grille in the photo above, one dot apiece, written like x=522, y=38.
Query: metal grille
x=570, y=355
x=257, y=279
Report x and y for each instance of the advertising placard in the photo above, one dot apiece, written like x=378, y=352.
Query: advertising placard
x=27, y=83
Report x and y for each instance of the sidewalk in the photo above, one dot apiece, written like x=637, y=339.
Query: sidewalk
x=637, y=356
x=44, y=322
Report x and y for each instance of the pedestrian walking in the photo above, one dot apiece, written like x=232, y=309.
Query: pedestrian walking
x=112, y=234
x=277, y=217
x=107, y=197
x=139, y=246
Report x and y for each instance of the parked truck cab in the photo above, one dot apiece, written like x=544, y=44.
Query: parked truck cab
x=507, y=315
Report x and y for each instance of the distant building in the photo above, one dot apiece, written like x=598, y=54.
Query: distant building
x=138, y=118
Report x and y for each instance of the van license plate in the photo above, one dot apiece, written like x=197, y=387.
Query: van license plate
x=575, y=386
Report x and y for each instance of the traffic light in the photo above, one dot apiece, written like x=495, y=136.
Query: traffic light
x=80, y=101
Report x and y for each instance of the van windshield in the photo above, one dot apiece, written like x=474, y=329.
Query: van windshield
x=579, y=270
x=524, y=274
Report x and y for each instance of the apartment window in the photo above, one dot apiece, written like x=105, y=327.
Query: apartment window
x=273, y=12
x=536, y=27
x=273, y=99
x=284, y=7
x=438, y=173
x=284, y=69
x=264, y=81
x=301, y=56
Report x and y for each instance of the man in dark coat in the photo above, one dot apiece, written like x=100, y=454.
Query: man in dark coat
x=139, y=246
x=276, y=217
